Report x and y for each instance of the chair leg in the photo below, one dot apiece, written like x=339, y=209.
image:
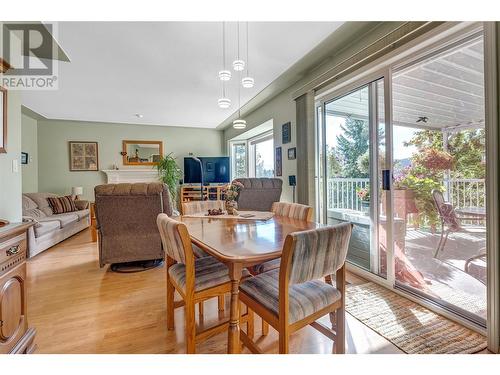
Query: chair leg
x=284, y=341
x=200, y=308
x=340, y=331
x=265, y=327
x=221, y=302
x=440, y=242
x=170, y=304
x=250, y=324
x=190, y=327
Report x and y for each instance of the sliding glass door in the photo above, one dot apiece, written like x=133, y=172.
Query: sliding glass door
x=353, y=136
x=403, y=158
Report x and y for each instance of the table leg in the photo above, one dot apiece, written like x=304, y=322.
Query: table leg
x=233, y=336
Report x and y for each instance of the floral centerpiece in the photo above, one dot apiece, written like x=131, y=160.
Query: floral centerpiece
x=363, y=194
x=231, y=193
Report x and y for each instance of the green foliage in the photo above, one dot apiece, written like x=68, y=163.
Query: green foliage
x=170, y=173
x=333, y=163
x=352, y=144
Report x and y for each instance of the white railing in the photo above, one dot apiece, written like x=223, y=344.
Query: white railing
x=461, y=192
x=466, y=192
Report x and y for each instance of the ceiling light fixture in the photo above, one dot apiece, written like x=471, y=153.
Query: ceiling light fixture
x=239, y=123
x=238, y=64
x=224, y=74
x=247, y=82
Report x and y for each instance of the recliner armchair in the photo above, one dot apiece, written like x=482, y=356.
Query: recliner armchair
x=259, y=194
x=126, y=221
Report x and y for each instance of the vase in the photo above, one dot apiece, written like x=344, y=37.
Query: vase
x=231, y=207
x=365, y=207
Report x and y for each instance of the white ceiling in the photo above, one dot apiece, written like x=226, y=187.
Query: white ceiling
x=166, y=71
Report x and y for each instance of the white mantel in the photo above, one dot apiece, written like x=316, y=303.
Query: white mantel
x=116, y=176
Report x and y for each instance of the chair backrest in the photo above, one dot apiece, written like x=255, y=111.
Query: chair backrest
x=259, y=194
x=315, y=253
x=446, y=210
x=126, y=217
x=194, y=207
x=292, y=210
x=175, y=239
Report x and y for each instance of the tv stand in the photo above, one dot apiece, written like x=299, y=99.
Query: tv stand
x=210, y=192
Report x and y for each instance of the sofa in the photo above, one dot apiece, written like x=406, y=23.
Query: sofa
x=259, y=194
x=49, y=228
x=126, y=221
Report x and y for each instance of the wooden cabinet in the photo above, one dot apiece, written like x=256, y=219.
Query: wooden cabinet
x=15, y=335
x=192, y=192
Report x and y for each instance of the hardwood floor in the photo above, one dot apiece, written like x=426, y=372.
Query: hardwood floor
x=77, y=307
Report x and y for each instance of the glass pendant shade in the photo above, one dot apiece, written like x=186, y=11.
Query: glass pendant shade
x=239, y=124
x=224, y=103
x=247, y=82
x=238, y=65
x=224, y=75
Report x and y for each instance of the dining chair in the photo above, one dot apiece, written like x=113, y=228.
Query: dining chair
x=195, y=279
x=194, y=207
x=293, y=296
x=291, y=210
x=450, y=221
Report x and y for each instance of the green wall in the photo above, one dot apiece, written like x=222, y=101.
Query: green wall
x=29, y=144
x=53, y=153
x=10, y=181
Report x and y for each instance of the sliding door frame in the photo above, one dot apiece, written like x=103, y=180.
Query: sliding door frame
x=383, y=68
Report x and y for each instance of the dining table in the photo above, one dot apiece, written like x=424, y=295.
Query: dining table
x=239, y=243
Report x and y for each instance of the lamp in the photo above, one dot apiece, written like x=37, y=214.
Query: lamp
x=76, y=191
x=201, y=175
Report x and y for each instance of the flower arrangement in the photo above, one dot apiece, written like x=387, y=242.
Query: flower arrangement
x=363, y=193
x=233, y=190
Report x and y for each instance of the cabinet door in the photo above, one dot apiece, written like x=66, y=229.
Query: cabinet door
x=12, y=307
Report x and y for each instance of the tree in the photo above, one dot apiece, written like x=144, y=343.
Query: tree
x=352, y=144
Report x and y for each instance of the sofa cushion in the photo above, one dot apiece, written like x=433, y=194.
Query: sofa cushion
x=30, y=208
x=62, y=219
x=61, y=205
x=41, y=201
x=45, y=227
x=82, y=214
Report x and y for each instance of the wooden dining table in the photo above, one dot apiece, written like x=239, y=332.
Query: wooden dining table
x=238, y=244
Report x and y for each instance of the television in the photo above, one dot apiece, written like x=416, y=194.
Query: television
x=215, y=170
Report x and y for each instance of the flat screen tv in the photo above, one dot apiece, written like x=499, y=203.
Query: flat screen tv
x=215, y=170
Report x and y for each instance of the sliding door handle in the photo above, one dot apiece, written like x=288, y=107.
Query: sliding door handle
x=386, y=179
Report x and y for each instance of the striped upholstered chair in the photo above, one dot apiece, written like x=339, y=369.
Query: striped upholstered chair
x=293, y=211
x=291, y=297
x=195, y=279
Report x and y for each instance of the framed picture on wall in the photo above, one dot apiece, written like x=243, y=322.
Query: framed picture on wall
x=3, y=119
x=286, y=133
x=83, y=156
x=292, y=153
x=278, y=166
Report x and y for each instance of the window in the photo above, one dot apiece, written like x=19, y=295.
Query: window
x=239, y=159
x=263, y=156
x=253, y=157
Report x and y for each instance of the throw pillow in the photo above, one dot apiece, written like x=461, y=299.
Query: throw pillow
x=61, y=205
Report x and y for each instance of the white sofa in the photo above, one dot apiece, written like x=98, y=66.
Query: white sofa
x=49, y=228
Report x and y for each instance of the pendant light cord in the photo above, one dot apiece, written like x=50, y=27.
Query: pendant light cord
x=248, y=59
x=223, y=56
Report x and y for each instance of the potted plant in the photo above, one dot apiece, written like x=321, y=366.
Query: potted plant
x=363, y=194
x=169, y=173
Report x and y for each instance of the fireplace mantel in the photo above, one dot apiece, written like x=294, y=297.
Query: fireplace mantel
x=130, y=175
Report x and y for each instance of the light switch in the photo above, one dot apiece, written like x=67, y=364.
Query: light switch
x=15, y=166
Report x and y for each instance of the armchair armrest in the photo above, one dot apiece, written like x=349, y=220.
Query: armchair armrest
x=82, y=204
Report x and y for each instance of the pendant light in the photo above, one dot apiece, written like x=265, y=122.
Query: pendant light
x=238, y=64
x=224, y=74
x=247, y=81
x=239, y=123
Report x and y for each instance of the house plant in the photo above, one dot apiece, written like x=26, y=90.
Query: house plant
x=363, y=194
x=169, y=173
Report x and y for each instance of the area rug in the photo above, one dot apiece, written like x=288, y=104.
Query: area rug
x=411, y=327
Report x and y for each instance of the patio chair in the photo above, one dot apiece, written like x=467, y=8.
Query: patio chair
x=450, y=221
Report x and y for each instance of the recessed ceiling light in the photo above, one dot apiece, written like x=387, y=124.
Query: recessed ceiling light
x=139, y=115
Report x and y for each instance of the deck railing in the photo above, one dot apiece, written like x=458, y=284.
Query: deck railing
x=461, y=192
